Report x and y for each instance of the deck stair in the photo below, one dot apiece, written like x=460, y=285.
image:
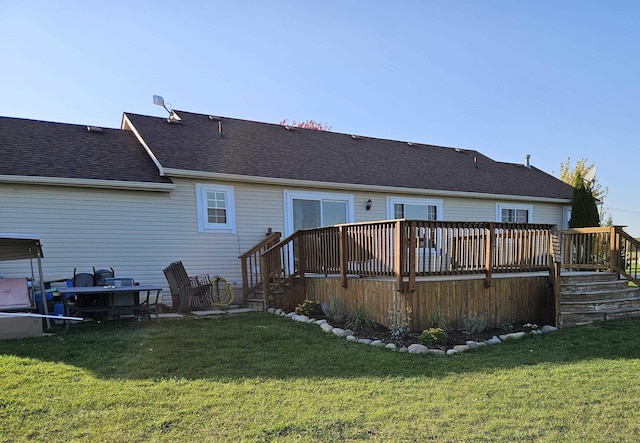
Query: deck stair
x=587, y=297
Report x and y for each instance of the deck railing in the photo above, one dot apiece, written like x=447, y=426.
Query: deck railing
x=601, y=249
x=406, y=249
x=250, y=263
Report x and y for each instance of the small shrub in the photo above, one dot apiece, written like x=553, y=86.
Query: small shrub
x=399, y=323
x=310, y=308
x=359, y=319
x=433, y=336
x=336, y=311
x=436, y=320
x=473, y=324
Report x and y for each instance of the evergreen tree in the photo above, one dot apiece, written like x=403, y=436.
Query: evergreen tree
x=584, y=211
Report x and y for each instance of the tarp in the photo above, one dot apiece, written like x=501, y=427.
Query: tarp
x=19, y=246
x=24, y=247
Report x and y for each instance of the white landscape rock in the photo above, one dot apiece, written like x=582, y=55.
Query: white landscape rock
x=391, y=346
x=351, y=338
x=271, y=310
x=300, y=318
x=451, y=352
x=513, y=336
x=320, y=322
x=365, y=341
x=548, y=328
x=377, y=343
x=473, y=344
x=326, y=327
x=493, y=341
x=461, y=348
x=339, y=332
x=418, y=349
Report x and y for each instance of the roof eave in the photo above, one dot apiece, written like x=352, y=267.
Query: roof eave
x=182, y=173
x=87, y=183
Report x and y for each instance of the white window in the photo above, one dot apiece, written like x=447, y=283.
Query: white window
x=216, y=208
x=414, y=208
x=305, y=210
x=512, y=213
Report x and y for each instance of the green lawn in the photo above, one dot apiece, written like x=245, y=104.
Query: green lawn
x=259, y=377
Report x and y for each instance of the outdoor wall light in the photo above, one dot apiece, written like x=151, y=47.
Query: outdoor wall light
x=368, y=205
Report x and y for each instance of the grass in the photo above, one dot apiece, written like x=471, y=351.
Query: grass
x=259, y=377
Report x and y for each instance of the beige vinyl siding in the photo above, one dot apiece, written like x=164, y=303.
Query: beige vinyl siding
x=138, y=233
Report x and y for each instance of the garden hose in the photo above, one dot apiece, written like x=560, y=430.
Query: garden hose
x=219, y=298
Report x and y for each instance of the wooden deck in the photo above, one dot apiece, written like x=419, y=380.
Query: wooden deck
x=417, y=270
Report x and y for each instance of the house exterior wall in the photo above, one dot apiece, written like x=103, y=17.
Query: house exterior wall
x=138, y=233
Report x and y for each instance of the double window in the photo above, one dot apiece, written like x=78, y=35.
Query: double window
x=216, y=208
x=414, y=208
x=509, y=213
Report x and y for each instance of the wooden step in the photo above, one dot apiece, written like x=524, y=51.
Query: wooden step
x=600, y=305
x=580, y=287
x=606, y=294
x=586, y=277
x=596, y=296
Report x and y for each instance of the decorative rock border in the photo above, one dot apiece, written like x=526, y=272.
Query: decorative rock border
x=415, y=348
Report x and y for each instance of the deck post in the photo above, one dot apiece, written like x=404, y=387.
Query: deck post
x=302, y=258
x=614, y=248
x=555, y=272
x=265, y=265
x=413, y=249
x=399, y=258
x=342, y=247
x=490, y=246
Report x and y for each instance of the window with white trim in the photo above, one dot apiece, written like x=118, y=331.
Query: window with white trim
x=511, y=213
x=216, y=208
x=414, y=208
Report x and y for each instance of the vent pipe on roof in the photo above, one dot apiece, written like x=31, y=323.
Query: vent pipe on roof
x=527, y=163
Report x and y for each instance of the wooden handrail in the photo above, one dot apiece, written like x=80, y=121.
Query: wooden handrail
x=250, y=264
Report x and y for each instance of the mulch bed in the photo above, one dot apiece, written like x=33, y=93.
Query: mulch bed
x=453, y=337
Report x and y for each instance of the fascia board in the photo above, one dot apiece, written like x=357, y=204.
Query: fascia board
x=87, y=183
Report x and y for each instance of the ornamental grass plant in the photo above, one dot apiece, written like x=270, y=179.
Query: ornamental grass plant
x=261, y=377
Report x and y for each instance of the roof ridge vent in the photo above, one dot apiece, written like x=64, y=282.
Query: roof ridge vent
x=355, y=137
x=411, y=143
x=95, y=129
x=289, y=128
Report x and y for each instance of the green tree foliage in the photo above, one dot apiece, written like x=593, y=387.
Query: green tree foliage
x=584, y=212
x=585, y=195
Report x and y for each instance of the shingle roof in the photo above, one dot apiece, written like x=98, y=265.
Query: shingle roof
x=46, y=149
x=256, y=149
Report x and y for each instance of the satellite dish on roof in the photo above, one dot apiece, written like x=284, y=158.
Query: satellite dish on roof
x=158, y=100
x=590, y=175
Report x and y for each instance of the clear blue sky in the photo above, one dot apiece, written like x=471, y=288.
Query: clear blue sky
x=554, y=79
